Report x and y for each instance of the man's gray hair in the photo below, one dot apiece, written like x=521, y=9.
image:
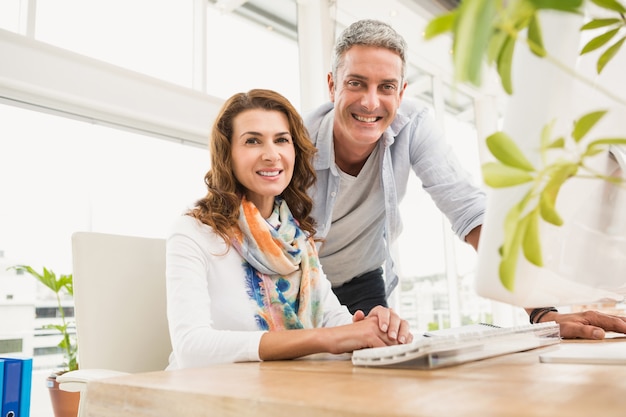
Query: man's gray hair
x=369, y=32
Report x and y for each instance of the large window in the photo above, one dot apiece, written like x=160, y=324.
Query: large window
x=59, y=174
x=436, y=268
x=243, y=55
x=150, y=37
x=10, y=15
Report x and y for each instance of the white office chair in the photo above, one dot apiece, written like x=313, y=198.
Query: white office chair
x=120, y=307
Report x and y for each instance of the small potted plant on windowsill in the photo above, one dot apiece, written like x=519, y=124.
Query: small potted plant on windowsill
x=64, y=404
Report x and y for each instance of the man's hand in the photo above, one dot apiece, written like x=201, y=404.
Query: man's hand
x=587, y=324
x=388, y=322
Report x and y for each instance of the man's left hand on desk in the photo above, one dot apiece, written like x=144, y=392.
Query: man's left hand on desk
x=587, y=324
x=389, y=322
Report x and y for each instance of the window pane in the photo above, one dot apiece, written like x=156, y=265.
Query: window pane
x=153, y=38
x=421, y=264
x=10, y=15
x=463, y=138
x=59, y=175
x=253, y=57
x=424, y=298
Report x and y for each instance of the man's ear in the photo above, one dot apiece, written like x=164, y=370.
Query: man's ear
x=331, y=86
x=403, y=89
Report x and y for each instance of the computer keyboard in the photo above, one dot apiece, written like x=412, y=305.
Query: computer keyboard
x=458, y=345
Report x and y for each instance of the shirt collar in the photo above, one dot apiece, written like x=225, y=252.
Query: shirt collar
x=324, y=142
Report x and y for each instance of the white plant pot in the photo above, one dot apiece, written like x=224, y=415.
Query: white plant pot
x=585, y=259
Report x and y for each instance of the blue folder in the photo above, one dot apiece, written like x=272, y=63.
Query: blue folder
x=12, y=387
x=15, y=386
x=1, y=382
x=26, y=386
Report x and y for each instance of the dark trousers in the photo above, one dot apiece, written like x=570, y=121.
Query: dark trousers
x=363, y=292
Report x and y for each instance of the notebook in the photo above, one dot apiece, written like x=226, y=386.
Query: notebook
x=459, y=345
x=591, y=352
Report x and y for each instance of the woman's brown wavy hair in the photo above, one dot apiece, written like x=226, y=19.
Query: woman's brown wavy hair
x=220, y=207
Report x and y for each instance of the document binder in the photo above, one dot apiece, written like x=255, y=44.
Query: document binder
x=11, y=389
x=458, y=345
x=1, y=383
x=26, y=386
x=15, y=386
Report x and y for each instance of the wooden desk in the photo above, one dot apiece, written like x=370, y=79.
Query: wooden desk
x=511, y=385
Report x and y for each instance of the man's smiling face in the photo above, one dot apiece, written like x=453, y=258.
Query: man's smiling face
x=367, y=90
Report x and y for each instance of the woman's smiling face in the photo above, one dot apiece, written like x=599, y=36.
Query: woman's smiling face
x=263, y=155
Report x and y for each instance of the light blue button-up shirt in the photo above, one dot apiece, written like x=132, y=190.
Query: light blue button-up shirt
x=411, y=142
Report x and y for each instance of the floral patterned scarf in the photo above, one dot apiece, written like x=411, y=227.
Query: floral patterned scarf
x=282, y=268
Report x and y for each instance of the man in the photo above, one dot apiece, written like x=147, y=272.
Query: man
x=369, y=140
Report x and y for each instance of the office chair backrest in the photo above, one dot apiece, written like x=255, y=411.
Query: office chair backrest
x=119, y=299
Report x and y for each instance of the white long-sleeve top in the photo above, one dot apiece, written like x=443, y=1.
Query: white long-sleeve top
x=210, y=315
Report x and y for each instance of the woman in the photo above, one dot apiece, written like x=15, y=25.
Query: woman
x=242, y=266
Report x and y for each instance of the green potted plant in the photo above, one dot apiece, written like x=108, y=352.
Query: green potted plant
x=552, y=59
x=64, y=404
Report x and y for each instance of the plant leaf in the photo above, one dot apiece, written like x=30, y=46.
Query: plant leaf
x=495, y=45
x=599, y=41
x=558, y=143
x=599, y=145
x=510, y=249
x=610, y=4
x=583, y=125
x=60, y=328
x=68, y=283
x=610, y=52
x=531, y=245
x=473, y=27
x=506, y=151
x=510, y=225
x=504, y=64
x=63, y=282
x=599, y=23
x=535, y=38
x=440, y=25
x=547, y=198
x=548, y=211
x=64, y=344
x=607, y=141
x=497, y=175
x=47, y=278
x=546, y=133
x=593, y=152
x=508, y=265
x=563, y=5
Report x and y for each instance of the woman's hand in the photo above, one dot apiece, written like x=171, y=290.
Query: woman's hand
x=361, y=334
x=382, y=327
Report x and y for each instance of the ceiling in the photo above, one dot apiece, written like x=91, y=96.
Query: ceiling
x=281, y=15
